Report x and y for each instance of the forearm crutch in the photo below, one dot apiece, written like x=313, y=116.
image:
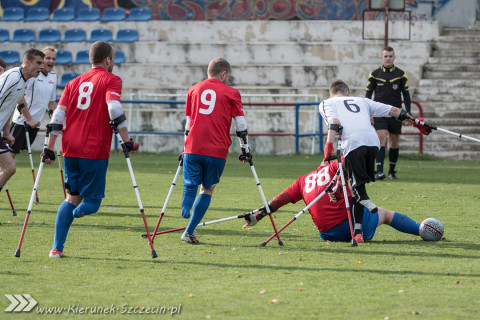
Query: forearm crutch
x=174, y=182
x=60, y=168
x=327, y=189
x=243, y=215
x=29, y=149
x=265, y=203
x=432, y=127
x=50, y=127
x=113, y=124
x=14, y=213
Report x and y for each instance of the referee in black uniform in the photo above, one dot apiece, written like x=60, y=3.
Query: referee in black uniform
x=389, y=83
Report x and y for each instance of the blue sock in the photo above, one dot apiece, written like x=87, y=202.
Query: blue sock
x=189, y=193
x=199, y=209
x=87, y=207
x=62, y=224
x=405, y=224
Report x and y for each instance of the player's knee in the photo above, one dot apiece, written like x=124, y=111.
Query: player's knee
x=9, y=169
x=86, y=208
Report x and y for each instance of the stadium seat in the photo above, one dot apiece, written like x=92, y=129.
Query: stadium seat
x=140, y=14
x=64, y=57
x=4, y=35
x=113, y=14
x=23, y=35
x=67, y=77
x=10, y=56
x=49, y=35
x=37, y=14
x=63, y=14
x=13, y=14
x=88, y=14
x=75, y=35
x=126, y=35
x=82, y=57
x=101, y=34
x=119, y=57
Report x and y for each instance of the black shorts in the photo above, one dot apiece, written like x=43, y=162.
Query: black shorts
x=3, y=146
x=18, y=132
x=360, y=165
x=391, y=124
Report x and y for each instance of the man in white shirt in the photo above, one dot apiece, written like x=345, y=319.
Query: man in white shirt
x=13, y=84
x=40, y=94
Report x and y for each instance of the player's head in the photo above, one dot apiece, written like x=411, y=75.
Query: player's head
x=339, y=88
x=3, y=66
x=50, y=58
x=33, y=63
x=219, y=68
x=388, y=56
x=102, y=55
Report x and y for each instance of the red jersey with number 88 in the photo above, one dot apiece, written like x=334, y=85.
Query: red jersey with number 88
x=211, y=104
x=88, y=134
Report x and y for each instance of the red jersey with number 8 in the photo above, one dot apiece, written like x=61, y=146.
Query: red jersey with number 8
x=211, y=104
x=88, y=134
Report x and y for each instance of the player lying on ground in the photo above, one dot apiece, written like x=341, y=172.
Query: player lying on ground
x=329, y=213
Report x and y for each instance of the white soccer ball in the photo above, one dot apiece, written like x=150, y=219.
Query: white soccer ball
x=431, y=229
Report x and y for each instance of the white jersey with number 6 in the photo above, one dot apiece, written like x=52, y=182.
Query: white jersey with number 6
x=354, y=115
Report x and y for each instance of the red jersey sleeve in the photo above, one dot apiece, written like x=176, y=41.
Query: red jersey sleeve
x=237, y=107
x=295, y=190
x=114, y=89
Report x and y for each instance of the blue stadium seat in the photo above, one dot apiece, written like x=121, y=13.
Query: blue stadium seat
x=67, y=77
x=119, y=57
x=64, y=57
x=101, y=34
x=49, y=35
x=126, y=35
x=37, y=14
x=75, y=35
x=4, y=35
x=82, y=57
x=23, y=35
x=113, y=14
x=63, y=14
x=13, y=14
x=140, y=14
x=88, y=14
x=10, y=56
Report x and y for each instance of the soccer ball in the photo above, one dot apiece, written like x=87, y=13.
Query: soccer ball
x=431, y=229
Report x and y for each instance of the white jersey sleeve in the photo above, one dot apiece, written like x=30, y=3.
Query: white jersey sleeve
x=378, y=109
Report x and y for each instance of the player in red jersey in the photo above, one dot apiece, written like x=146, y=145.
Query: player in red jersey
x=211, y=104
x=329, y=213
x=88, y=104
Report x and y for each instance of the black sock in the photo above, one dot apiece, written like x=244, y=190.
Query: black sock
x=380, y=159
x=393, y=157
x=357, y=209
x=1, y=188
x=361, y=192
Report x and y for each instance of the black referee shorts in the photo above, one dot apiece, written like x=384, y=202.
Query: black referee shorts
x=390, y=124
x=360, y=165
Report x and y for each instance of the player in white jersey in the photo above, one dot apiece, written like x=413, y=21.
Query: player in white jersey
x=360, y=142
x=40, y=94
x=13, y=84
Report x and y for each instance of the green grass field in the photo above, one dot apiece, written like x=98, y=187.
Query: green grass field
x=228, y=275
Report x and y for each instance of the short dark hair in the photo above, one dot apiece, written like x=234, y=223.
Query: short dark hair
x=217, y=66
x=99, y=51
x=338, y=86
x=3, y=64
x=31, y=53
x=387, y=48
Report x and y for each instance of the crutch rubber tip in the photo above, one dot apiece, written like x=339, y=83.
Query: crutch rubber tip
x=154, y=254
x=280, y=243
x=263, y=244
x=354, y=243
x=14, y=213
x=144, y=235
x=37, y=200
x=17, y=253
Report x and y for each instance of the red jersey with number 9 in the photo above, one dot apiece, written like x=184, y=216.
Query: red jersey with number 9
x=211, y=104
x=325, y=213
x=88, y=134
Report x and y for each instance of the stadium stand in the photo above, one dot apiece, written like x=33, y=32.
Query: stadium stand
x=88, y=14
x=37, y=14
x=64, y=57
x=126, y=35
x=82, y=57
x=13, y=14
x=49, y=35
x=63, y=14
x=67, y=77
x=75, y=35
x=10, y=56
x=113, y=14
x=101, y=34
x=140, y=14
x=119, y=57
x=23, y=35
x=4, y=35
